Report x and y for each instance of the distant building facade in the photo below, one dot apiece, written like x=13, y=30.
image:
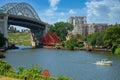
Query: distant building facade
x=79, y=23
x=76, y=20
x=81, y=26
x=92, y=28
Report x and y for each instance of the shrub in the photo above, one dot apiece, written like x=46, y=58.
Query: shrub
x=63, y=78
x=117, y=51
x=114, y=47
x=5, y=68
x=31, y=73
x=80, y=45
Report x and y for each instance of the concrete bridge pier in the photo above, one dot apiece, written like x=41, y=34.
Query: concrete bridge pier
x=4, y=26
x=37, y=37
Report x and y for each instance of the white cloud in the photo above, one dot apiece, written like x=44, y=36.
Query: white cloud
x=61, y=20
x=51, y=16
x=71, y=11
x=53, y=7
x=62, y=13
x=49, y=12
x=107, y=11
x=53, y=4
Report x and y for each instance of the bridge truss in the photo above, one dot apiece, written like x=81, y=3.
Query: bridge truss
x=23, y=14
x=22, y=9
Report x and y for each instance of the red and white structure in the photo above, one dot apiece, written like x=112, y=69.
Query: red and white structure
x=51, y=39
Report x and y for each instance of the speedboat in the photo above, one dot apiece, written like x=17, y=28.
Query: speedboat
x=104, y=62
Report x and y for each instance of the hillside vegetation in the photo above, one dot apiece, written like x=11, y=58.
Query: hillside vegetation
x=20, y=38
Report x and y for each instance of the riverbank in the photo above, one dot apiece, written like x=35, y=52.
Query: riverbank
x=7, y=78
x=1, y=52
x=85, y=49
x=101, y=49
x=2, y=56
x=62, y=48
x=11, y=46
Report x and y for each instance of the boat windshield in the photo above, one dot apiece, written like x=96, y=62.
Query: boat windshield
x=104, y=60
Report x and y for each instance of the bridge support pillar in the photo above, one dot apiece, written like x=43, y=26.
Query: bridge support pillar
x=4, y=26
x=37, y=37
x=33, y=44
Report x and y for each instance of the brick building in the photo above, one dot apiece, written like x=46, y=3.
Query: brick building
x=81, y=26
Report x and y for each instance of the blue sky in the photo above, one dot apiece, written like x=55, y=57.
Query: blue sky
x=97, y=11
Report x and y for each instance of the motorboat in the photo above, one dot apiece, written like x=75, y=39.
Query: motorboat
x=104, y=62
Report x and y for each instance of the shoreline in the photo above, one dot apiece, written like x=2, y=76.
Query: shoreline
x=8, y=78
x=85, y=49
x=59, y=47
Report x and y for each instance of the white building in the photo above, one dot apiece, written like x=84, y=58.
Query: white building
x=79, y=23
x=81, y=26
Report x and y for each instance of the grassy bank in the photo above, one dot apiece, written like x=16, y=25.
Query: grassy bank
x=7, y=78
x=7, y=72
x=20, y=38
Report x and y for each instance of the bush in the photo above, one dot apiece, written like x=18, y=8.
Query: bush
x=5, y=68
x=63, y=78
x=80, y=45
x=63, y=44
x=33, y=73
x=117, y=51
x=114, y=47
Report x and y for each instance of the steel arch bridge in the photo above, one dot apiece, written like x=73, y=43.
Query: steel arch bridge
x=22, y=9
x=23, y=14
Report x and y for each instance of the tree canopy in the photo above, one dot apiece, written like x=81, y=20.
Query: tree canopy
x=74, y=41
x=112, y=36
x=61, y=29
x=109, y=38
x=96, y=39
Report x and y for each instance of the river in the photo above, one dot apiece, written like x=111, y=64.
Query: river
x=78, y=65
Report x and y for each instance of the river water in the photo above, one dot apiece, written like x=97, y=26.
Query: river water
x=78, y=65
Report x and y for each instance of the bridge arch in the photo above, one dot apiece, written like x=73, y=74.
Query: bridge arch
x=23, y=14
x=21, y=9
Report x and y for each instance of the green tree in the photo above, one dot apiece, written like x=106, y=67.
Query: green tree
x=91, y=39
x=74, y=41
x=96, y=38
x=117, y=51
x=71, y=43
x=61, y=29
x=112, y=36
x=100, y=38
x=78, y=36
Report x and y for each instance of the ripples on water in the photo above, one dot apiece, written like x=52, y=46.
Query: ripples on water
x=76, y=64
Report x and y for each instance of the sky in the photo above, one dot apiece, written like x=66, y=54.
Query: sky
x=96, y=11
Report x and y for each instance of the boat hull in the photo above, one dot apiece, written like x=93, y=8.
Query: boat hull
x=104, y=63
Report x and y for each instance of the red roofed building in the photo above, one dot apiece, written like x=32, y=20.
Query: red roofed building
x=51, y=39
